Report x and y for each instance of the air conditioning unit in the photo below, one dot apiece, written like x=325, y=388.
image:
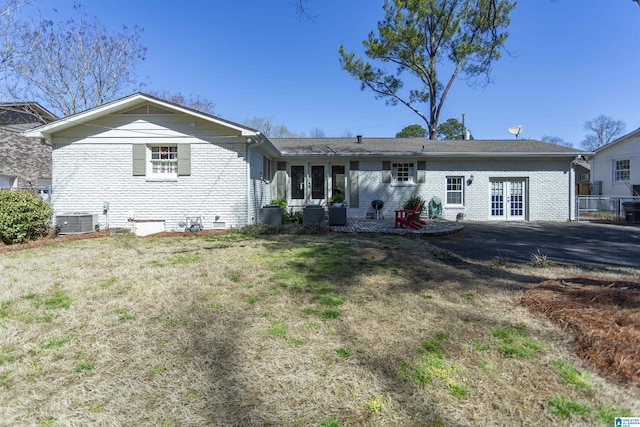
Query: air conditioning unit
x=77, y=222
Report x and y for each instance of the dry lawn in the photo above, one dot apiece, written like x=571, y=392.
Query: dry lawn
x=321, y=330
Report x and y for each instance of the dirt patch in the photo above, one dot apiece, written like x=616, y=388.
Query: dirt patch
x=49, y=240
x=603, y=315
x=53, y=238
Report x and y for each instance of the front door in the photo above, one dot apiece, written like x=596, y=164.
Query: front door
x=508, y=200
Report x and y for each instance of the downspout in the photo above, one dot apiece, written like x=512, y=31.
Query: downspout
x=572, y=188
x=249, y=141
x=250, y=144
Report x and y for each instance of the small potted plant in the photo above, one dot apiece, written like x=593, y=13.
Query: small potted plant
x=337, y=209
x=337, y=200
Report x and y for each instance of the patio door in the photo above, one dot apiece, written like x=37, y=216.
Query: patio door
x=508, y=200
x=308, y=184
x=318, y=194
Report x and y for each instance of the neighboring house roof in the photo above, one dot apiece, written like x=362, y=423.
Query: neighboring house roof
x=20, y=116
x=126, y=103
x=630, y=135
x=418, y=146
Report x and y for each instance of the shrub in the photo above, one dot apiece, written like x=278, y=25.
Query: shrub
x=23, y=216
x=412, y=201
x=282, y=202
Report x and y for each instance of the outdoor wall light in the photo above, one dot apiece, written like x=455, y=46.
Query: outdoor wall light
x=470, y=180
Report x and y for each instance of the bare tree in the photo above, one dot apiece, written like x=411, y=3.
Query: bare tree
x=269, y=128
x=317, y=133
x=302, y=10
x=196, y=102
x=13, y=44
x=556, y=140
x=75, y=64
x=603, y=130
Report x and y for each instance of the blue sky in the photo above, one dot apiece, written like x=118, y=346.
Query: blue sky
x=567, y=62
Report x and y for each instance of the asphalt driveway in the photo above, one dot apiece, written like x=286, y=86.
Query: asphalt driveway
x=602, y=245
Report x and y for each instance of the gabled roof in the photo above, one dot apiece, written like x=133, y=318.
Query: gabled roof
x=418, y=146
x=129, y=102
x=20, y=116
x=630, y=135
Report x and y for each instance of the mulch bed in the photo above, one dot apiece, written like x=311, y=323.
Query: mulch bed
x=604, y=317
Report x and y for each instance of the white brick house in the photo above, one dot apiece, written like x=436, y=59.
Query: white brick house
x=615, y=170
x=142, y=160
x=476, y=180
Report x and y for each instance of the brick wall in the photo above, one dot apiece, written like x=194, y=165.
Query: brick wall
x=547, y=184
x=86, y=175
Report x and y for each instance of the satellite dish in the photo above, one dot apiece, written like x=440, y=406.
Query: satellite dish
x=515, y=130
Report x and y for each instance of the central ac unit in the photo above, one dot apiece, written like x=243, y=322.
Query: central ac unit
x=77, y=222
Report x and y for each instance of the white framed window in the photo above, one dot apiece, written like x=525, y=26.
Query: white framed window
x=164, y=160
x=621, y=170
x=161, y=161
x=403, y=172
x=584, y=177
x=455, y=190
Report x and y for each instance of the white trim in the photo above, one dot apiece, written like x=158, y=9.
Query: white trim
x=124, y=104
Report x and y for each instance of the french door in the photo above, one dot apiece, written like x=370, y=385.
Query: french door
x=508, y=200
x=308, y=184
x=316, y=183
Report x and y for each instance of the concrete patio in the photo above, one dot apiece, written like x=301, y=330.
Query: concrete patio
x=433, y=227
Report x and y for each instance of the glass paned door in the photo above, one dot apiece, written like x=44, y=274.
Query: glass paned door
x=497, y=199
x=337, y=180
x=317, y=183
x=516, y=200
x=297, y=182
x=508, y=200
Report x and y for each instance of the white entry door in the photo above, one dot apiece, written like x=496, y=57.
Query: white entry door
x=508, y=200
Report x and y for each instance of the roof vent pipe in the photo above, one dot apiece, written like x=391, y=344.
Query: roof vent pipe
x=359, y=139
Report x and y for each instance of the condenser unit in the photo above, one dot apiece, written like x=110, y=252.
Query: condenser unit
x=77, y=222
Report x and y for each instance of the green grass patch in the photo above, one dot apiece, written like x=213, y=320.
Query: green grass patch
x=184, y=259
x=310, y=310
x=157, y=370
x=456, y=389
x=4, y=309
x=330, y=314
x=8, y=355
x=330, y=422
x=515, y=342
x=375, y=404
x=55, y=342
x=112, y=280
x=84, y=367
x=564, y=407
x=330, y=300
x=122, y=314
x=58, y=301
x=345, y=352
x=571, y=375
x=278, y=329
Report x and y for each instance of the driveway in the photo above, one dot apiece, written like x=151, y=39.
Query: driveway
x=602, y=245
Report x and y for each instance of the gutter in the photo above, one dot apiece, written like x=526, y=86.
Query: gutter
x=436, y=154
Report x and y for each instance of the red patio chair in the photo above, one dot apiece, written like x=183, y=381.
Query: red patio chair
x=409, y=217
